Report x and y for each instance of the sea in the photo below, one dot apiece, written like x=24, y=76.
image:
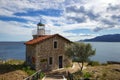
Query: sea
x=105, y=51
x=12, y=50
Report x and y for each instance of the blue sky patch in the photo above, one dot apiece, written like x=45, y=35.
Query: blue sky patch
x=46, y=12
x=110, y=31
x=6, y=18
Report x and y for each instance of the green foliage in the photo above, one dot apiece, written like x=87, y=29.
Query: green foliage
x=14, y=62
x=41, y=75
x=94, y=63
x=104, y=64
x=28, y=70
x=104, y=74
x=87, y=75
x=11, y=65
x=80, y=52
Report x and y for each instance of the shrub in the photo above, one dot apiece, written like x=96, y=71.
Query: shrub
x=94, y=63
x=104, y=64
x=28, y=70
x=12, y=62
x=87, y=75
x=41, y=75
x=104, y=74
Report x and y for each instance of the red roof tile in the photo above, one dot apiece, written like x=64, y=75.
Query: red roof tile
x=42, y=38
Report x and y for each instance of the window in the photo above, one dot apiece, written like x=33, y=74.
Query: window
x=55, y=44
x=50, y=60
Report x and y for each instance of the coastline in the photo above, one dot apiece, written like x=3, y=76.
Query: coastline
x=103, y=71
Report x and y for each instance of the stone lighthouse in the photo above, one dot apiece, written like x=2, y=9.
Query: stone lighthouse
x=40, y=30
x=46, y=52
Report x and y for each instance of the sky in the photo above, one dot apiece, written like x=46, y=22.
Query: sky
x=73, y=19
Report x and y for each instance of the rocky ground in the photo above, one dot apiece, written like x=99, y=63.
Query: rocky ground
x=11, y=70
x=101, y=72
x=13, y=75
x=105, y=72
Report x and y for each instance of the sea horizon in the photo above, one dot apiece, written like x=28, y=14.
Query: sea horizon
x=104, y=51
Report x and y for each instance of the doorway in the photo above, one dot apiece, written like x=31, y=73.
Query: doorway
x=60, y=62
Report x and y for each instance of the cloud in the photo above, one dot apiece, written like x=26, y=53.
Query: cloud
x=15, y=28
x=80, y=14
x=60, y=16
x=90, y=12
x=24, y=5
x=75, y=8
x=114, y=7
x=80, y=36
x=97, y=29
x=77, y=19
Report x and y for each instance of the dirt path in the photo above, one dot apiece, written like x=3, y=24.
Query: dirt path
x=72, y=69
x=60, y=74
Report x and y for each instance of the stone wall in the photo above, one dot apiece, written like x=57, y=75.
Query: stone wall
x=46, y=49
x=30, y=55
x=37, y=55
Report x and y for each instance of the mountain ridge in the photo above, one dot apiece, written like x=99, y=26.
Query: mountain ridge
x=105, y=38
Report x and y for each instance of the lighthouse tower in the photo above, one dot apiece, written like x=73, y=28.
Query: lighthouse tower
x=40, y=30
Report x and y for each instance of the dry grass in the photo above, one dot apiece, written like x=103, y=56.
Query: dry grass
x=12, y=70
x=108, y=72
x=99, y=72
x=13, y=75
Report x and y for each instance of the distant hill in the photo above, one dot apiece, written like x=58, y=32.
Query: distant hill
x=105, y=38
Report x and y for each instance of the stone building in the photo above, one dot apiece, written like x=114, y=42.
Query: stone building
x=47, y=52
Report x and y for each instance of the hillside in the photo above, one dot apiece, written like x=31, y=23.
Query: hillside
x=105, y=38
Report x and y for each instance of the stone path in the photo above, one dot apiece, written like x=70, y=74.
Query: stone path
x=54, y=77
x=60, y=73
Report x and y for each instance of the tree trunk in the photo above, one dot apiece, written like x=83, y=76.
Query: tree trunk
x=82, y=66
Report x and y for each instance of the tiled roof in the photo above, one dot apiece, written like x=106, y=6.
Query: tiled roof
x=42, y=38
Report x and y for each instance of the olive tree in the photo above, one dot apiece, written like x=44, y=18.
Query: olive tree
x=80, y=52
